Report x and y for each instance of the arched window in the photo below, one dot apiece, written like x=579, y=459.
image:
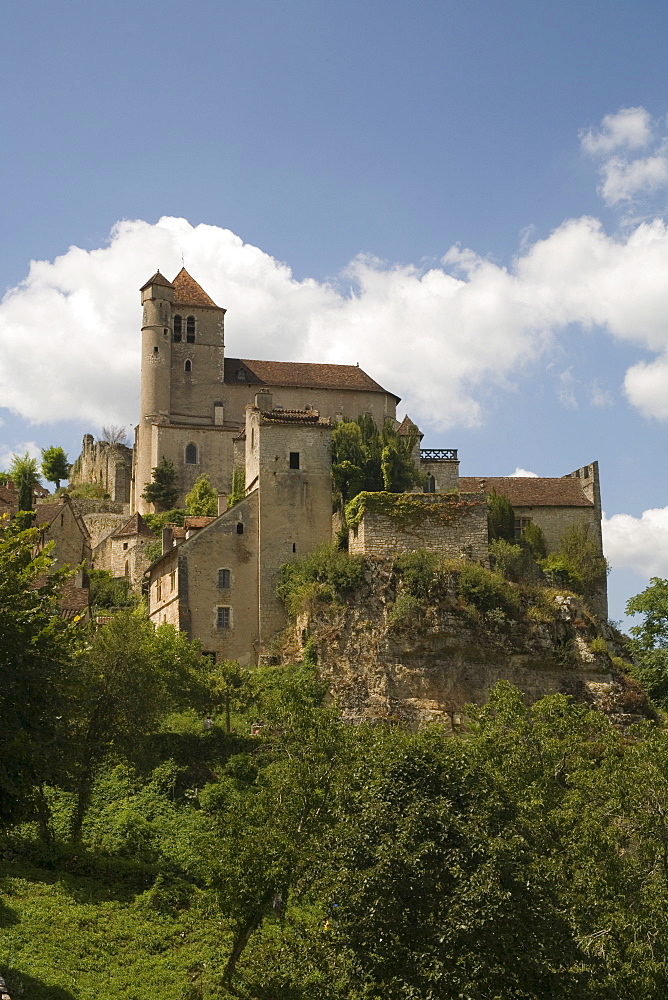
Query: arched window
x=240, y=528
x=188, y=366
x=190, y=330
x=241, y=375
x=191, y=454
x=430, y=485
x=178, y=329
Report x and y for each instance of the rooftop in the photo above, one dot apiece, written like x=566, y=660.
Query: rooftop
x=530, y=491
x=188, y=293
x=299, y=375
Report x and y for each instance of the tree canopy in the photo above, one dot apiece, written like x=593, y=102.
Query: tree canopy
x=55, y=465
x=203, y=498
x=365, y=458
x=162, y=491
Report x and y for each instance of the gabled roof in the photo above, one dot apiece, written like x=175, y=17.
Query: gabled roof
x=300, y=375
x=188, y=293
x=197, y=521
x=136, y=525
x=406, y=426
x=157, y=279
x=530, y=491
x=295, y=417
x=46, y=513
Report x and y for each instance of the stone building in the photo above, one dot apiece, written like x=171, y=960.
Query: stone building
x=107, y=465
x=219, y=584
x=194, y=399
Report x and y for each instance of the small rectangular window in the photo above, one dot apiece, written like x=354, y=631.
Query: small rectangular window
x=223, y=619
x=223, y=579
x=294, y=459
x=172, y=579
x=158, y=590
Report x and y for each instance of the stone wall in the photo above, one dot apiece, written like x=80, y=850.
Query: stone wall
x=461, y=535
x=101, y=525
x=110, y=466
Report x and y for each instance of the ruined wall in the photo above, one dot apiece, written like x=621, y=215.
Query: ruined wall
x=459, y=533
x=110, y=466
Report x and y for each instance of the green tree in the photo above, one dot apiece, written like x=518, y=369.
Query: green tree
x=366, y=458
x=650, y=639
x=25, y=477
x=162, y=491
x=578, y=562
x=129, y=677
x=36, y=646
x=55, y=465
x=500, y=518
x=203, y=498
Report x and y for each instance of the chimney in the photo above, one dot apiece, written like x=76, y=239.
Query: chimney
x=264, y=401
x=222, y=503
x=166, y=538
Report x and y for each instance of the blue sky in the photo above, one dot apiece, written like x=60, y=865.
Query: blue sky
x=468, y=198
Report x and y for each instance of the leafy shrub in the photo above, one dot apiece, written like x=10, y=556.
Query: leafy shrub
x=87, y=491
x=406, y=610
x=418, y=571
x=112, y=592
x=535, y=539
x=512, y=561
x=485, y=590
x=326, y=574
x=598, y=645
x=563, y=572
x=157, y=522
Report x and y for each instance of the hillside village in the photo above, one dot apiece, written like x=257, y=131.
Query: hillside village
x=271, y=421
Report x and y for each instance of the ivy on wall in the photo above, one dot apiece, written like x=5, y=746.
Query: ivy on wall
x=409, y=509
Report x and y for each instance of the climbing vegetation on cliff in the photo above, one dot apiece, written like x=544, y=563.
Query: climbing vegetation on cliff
x=408, y=509
x=326, y=574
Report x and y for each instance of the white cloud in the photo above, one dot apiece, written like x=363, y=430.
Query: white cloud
x=566, y=390
x=438, y=338
x=624, y=179
x=524, y=473
x=599, y=396
x=638, y=543
x=628, y=127
x=7, y=453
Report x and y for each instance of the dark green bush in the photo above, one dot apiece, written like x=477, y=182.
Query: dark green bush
x=326, y=574
x=418, y=571
x=485, y=590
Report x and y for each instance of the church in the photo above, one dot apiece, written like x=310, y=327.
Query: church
x=270, y=423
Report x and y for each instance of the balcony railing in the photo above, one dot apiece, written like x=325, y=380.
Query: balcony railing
x=438, y=454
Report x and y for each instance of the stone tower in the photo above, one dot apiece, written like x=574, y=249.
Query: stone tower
x=182, y=372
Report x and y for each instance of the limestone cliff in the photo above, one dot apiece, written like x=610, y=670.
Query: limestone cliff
x=385, y=654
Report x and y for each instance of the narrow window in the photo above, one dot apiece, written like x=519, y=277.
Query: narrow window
x=294, y=546
x=156, y=349
x=224, y=579
x=127, y=568
x=172, y=579
x=430, y=485
x=158, y=590
x=191, y=454
x=190, y=330
x=188, y=366
x=125, y=545
x=241, y=375
x=240, y=528
x=178, y=329
x=294, y=459
x=223, y=617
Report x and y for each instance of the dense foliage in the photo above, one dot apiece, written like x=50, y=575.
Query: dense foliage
x=650, y=639
x=55, y=465
x=162, y=491
x=202, y=499
x=366, y=458
x=174, y=827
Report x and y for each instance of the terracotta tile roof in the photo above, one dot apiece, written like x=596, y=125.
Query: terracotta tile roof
x=197, y=521
x=8, y=497
x=157, y=279
x=136, y=525
x=295, y=417
x=188, y=293
x=178, y=531
x=306, y=376
x=73, y=600
x=527, y=491
x=407, y=425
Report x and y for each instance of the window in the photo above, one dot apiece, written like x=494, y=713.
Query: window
x=241, y=375
x=178, y=329
x=125, y=545
x=127, y=568
x=224, y=579
x=191, y=454
x=156, y=349
x=294, y=459
x=520, y=524
x=430, y=485
x=172, y=580
x=190, y=330
x=188, y=366
x=294, y=546
x=240, y=528
x=223, y=617
x=158, y=590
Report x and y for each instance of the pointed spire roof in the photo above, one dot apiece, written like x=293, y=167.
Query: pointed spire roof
x=136, y=525
x=188, y=293
x=157, y=279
